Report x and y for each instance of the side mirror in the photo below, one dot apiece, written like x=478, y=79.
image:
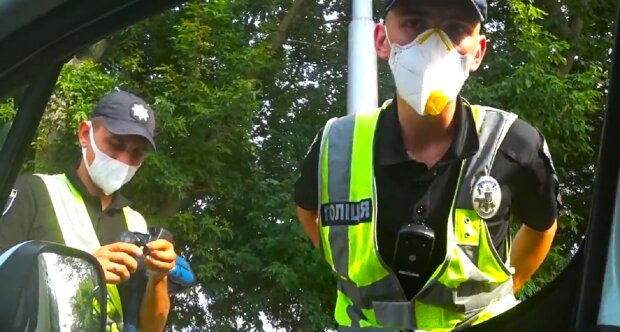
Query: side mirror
x=51, y=287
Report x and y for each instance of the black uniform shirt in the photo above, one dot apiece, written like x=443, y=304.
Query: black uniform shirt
x=407, y=191
x=30, y=216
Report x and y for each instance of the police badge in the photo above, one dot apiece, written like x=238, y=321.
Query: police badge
x=486, y=197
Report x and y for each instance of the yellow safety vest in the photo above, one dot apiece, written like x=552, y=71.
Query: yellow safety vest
x=78, y=232
x=470, y=286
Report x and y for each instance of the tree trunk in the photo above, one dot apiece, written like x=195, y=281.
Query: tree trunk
x=568, y=29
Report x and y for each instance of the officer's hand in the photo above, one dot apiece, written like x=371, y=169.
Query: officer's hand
x=160, y=260
x=118, y=261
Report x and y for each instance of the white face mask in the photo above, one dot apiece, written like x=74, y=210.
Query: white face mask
x=429, y=72
x=106, y=172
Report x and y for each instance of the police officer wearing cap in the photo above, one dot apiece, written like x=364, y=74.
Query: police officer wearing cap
x=411, y=204
x=84, y=209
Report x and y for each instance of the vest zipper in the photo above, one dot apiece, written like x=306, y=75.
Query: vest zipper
x=452, y=217
x=385, y=266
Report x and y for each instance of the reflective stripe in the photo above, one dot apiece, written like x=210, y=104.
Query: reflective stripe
x=365, y=266
x=135, y=221
x=340, y=140
x=324, y=243
x=463, y=287
x=356, y=185
x=496, y=124
x=363, y=296
x=397, y=315
x=468, y=296
x=339, y=244
x=347, y=182
x=78, y=232
x=337, y=188
x=355, y=316
x=77, y=229
x=339, y=156
x=496, y=308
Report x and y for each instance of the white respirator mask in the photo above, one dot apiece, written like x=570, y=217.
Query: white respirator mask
x=428, y=72
x=106, y=172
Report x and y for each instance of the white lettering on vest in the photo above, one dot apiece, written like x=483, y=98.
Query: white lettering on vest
x=346, y=213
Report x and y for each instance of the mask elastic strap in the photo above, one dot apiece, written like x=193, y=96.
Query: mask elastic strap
x=386, y=35
x=90, y=132
x=90, y=138
x=93, y=144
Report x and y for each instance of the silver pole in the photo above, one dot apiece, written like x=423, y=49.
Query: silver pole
x=362, y=94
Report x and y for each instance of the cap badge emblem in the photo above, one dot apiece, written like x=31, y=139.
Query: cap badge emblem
x=139, y=112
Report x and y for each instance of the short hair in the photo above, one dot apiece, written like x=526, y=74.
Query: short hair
x=97, y=121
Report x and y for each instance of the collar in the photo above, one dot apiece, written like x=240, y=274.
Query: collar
x=118, y=200
x=391, y=149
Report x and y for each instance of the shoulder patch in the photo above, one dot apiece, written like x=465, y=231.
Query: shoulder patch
x=549, y=163
x=547, y=154
x=317, y=138
x=9, y=201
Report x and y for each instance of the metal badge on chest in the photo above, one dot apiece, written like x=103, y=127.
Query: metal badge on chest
x=486, y=197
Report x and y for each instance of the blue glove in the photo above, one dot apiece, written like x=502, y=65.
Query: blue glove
x=181, y=277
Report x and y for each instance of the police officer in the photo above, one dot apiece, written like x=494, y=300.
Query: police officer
x=411, y=204
x=84, y=209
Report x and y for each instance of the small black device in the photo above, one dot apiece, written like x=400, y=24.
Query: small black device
x=181, y=277
x=414, y=248
x=141, y=239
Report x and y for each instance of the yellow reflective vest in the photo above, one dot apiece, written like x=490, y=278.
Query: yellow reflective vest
x=470, y=286
x=78, y=232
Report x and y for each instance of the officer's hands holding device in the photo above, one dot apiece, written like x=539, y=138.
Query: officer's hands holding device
x=157, y=251
x=118, y=260
x=159, y=259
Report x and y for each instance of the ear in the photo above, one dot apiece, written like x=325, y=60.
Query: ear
x=84, y=133
x=381, y=45
x=481, y=50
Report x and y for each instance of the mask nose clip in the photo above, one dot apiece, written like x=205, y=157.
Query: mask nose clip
x=422, y=38
x=425, y=36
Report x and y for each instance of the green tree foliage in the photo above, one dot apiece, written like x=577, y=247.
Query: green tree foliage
x=85, y=308
x=240, y=89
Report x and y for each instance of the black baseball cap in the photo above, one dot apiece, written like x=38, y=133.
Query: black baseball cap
x=480, y=5
x=126, y=114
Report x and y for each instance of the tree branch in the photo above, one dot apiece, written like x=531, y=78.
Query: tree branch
x=569, y=30
x=279, y=36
